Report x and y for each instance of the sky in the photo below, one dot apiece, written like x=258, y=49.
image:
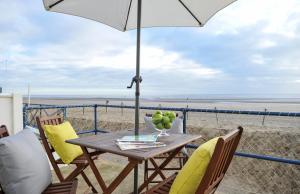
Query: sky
x=251, y=48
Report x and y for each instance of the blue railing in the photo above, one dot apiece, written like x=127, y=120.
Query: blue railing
x=184, y=112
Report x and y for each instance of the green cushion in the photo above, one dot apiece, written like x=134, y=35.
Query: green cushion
x=190, y=176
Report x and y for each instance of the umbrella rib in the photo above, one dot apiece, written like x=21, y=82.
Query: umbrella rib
x=129, y=8
x=54, y=4
x=200, y=24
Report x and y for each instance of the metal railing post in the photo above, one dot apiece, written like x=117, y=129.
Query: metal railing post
x=65, y=113
x=187, y=114
x=95, y=119
x=24, y=115
x=184, y=120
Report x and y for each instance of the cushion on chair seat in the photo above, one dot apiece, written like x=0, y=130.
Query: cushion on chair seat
x=190, y=176
x=24, y=167
x=57, y=135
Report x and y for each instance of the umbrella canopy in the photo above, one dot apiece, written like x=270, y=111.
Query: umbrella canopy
x=122, y=14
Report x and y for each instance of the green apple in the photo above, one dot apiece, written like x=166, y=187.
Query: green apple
x=165, y=120
x=166, y=113
x=172, y=116
x=159, y=126
x=157, y=118
x=158, y=112
x=171, y=120
x=167, y=125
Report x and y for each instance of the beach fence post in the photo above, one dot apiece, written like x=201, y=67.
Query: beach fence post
x=95, y=119
x=107, y=101
x=184, y=111
x=217, y=119
x=122, y=108
x=40, y=111
x=83, y=110
x=264, y=117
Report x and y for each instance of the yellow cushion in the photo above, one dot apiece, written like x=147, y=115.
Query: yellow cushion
x=190, y=176
x=57, y=135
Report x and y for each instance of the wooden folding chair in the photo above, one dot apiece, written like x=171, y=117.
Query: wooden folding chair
x=80, y=162
x=216, y=169
x=3, y=131
x=180, y=159
x=69, y=187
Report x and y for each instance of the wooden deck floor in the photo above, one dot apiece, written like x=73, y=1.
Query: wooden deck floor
x=109, y=168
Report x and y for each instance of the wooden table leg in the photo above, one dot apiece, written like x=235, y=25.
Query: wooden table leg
x=123, y=174
x=94, y=168
x=157, y=167
x=157, y=170
x=116, y=182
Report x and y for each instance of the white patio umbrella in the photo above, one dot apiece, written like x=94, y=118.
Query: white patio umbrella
x=126, y=15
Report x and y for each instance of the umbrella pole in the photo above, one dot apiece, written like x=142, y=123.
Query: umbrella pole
x=137, y=87
x=137, y=73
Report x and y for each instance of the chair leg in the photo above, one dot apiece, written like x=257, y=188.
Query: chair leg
x=75, y=173
x=180, y=161
x=88, y=182
x=146, y=173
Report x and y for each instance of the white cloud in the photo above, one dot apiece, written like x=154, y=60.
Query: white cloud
x=87, y=44
x=258, y=59
x=15, y=26
x=266, y=43
x=152, y=59
x=276, y=17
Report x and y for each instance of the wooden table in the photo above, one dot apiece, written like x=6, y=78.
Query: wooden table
x=106, y=143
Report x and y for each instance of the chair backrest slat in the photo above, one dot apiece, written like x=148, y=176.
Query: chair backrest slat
x=3, y=131
x=220, y=162
x=47, y=121
x=224, y=158
x=49, y=150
